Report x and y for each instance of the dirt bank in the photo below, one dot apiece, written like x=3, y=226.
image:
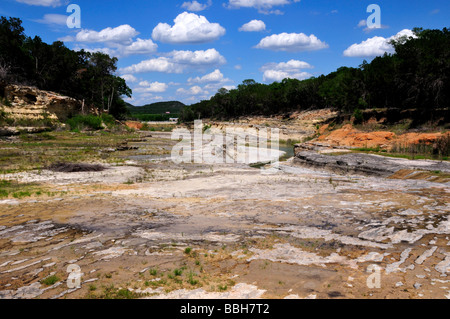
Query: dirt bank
x=350, y=137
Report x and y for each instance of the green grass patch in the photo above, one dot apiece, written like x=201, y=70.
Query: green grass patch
x=177, y=272
x=19, y=195
x=111, y=292
x=82, y=122
x=153, y=271
x=51, y=280
x=18, y=190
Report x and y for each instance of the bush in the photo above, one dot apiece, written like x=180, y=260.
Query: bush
x=81, y=122
x=358, y=115
x=108, y=119
x=443, y=145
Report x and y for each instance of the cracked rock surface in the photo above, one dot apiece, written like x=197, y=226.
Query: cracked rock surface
x=229, y=231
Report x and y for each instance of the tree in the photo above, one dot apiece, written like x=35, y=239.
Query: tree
x=89, y=77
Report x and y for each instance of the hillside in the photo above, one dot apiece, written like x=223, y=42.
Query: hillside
x=174, y=107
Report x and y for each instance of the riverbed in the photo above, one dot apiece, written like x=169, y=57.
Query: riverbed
x=158, y=229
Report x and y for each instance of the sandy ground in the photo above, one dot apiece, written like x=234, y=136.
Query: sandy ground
x=163, y=230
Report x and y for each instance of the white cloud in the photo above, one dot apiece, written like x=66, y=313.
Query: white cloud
x=291, y=42
x=43, y=3
x=291, y=69
x=208, y=57
x=253, y=26
x=363, y=24
x=196, y=6
x=161, y=64
x=154, y=87
x=214, y=77
x=229, y=87
x=188, y=28
x=263, y=6
x=194, y=90
x=238, y=67
x=375, y=46
x=139, y=46
x=108, y=51
x=129, y=78
x=120, y=35
x=177, y=62
x=55, y=19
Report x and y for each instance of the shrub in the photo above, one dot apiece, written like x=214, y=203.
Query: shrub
x=358, y=115
x=81, y=122
x=443, y=145
x=50, y=280
x=108, y=119
x=178, y=272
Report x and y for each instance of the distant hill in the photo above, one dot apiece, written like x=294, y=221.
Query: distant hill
x=174, y=107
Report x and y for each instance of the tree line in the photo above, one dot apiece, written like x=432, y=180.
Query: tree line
x=416, y=76
x=88, y=77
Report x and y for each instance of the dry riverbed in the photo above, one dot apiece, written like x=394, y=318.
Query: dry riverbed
x=148, y=228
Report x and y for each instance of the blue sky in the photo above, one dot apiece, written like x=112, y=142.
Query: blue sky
x=186, y=50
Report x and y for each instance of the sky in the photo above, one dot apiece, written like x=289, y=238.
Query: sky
x=186, y=50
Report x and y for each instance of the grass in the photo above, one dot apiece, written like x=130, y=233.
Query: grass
x=111, y=292
x=37, y=151
x=51, y=280
x=158, y=127
x=178, y=272
x=438, y=151
x=81, y=122
x=19, y=190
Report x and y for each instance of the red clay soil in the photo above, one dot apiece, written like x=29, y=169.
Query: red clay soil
x=134, y=125
x=350, y=137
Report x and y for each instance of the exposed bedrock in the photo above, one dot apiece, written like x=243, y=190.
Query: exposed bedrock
x=367, y=164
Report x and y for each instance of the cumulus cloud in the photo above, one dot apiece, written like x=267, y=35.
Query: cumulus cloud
x=196, y=6
x=122, y=35
x=119, y=41
x=188, y=28
x=154, y=87
x=178, y=62
x=194, y=90
x=108, y=51
x=291, y=42
x=208, y=57
x=263, y=6
x=43, y=3
x=161, y=64
x=291, y=69
x=214, y=77
x=129, y=78
x=375, y=46
x=253, y=26
x=139, y=46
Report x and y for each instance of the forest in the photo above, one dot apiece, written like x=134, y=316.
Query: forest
x=416, y=76
x=86, y=76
